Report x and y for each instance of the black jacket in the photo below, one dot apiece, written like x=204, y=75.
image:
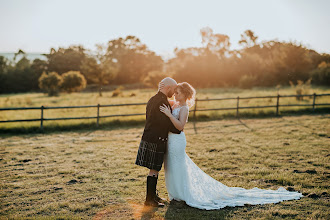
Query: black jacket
x=157, y=123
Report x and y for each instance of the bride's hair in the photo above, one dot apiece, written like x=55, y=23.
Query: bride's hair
x=188, y=91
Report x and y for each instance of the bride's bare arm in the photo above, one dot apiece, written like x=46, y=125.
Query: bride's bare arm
x=179, y=124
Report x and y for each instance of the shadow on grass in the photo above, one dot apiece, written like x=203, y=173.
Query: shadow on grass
x=180, y=210
x=124, y=124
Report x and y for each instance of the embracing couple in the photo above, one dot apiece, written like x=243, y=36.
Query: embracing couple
x=164, y=141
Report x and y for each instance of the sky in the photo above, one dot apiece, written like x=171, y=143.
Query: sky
x=38, y=25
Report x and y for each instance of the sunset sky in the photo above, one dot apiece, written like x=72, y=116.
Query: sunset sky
x=38, y=25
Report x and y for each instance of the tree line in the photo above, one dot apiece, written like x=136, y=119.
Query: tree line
x=128, y=60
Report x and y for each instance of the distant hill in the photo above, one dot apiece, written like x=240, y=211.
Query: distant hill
x=30, y=56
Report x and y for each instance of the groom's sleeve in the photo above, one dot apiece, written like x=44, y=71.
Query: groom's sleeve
x=166, y=121
x=160, y=116
x=173, y=129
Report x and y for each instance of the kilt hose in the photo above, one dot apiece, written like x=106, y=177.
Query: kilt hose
x=151, y=155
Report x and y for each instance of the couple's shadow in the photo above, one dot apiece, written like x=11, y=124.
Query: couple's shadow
x=180, y=210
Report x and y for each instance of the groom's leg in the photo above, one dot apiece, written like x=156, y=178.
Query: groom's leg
x=151, y=185
x=151, y=189
x=154, y=174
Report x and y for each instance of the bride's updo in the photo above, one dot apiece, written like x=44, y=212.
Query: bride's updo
x=188, y=91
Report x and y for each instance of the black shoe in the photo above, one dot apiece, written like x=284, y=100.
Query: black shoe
x=154, y=203
x=158, y=199
x=152, y=199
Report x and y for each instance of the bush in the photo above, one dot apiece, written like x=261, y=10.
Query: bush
x=50, y=83
x=117, y=91
x=73, y=81
x=302, y=88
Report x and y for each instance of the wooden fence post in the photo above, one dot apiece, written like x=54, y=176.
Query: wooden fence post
x=195, y=109
x=98, y=115
x=237, y=107
x=314, y=95
x=277, y=104
x=42, y=119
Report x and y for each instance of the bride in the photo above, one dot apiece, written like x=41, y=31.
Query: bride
x=185, y=181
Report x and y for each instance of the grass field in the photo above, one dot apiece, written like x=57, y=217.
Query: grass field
x=90, y=174
x=142, y=96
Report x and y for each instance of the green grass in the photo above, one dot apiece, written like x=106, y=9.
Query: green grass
x=142, y=96
x=91, y=173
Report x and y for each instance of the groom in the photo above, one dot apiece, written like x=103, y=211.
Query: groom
x=154, y=139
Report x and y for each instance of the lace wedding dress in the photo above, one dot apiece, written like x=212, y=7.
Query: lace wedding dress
x=185, y=181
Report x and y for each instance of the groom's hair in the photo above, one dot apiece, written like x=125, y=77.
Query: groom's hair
x=165, y=82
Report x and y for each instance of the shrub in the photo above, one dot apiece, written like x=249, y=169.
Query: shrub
x=73, y=81
x=117, y=91
x=301, y=88
x=50, y=83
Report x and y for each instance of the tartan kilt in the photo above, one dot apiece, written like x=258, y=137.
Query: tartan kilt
x=151, y=155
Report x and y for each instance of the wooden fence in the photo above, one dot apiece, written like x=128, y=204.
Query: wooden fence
x=98, y=106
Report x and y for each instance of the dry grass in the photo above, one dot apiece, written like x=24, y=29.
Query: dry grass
x=91, y=174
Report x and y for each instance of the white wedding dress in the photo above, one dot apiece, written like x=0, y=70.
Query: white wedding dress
x=185, y=181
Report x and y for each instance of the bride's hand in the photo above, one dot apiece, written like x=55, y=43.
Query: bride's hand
x=165, y=110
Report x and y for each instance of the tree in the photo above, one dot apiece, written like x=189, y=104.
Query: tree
x=20, y=52
x=3, y=65
x=133, y=59
x=248, y=39
x=206, y=66
x=50, y=83
x=37, y=68
x=196, y=67
x=216, y=43
x=154, y=77
x=3, y=74
x=16, y=76
x=66, y=59
x=98, y=69
x=73, y=81
x=20, y=76
x=286, y=61
x=321, y=75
